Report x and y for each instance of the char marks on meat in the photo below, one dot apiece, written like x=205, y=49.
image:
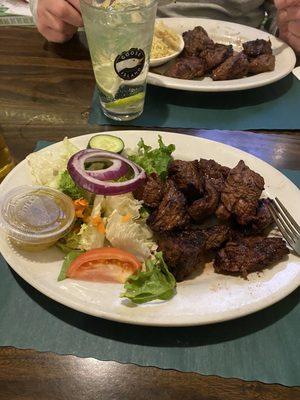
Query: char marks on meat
x=235, y=67
x=263, y=218
x=187, y=177
x=216, y=236
x=151, y=191
x=206, y=205
x=240, y=194
x=202, y=57
x=215, y=55
x=187, y=68
x=257, y=47
x=171, y=212
x=195, y=41
x=261, y=63
x=184, y=250
x=250, y=254
x=216, y=173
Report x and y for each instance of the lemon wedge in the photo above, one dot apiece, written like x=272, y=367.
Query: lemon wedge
x=107, y=79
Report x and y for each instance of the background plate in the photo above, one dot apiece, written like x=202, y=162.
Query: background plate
x=226, y=33
x=205, y=299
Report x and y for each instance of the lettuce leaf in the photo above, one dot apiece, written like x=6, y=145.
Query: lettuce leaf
x=69, y=187
x=89, y=235
x=69, y=258
x=153, y=160
x=124, y=204
x=132, y=236
x=155, y=283
x=69, y=242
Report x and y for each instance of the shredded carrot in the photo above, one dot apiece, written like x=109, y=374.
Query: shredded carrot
x=80, y=206
x=81, y=202
x=126, y=217
x=101, y=228
x=96, y=220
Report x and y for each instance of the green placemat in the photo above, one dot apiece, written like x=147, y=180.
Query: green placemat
x=264, y=346
x=275, y=106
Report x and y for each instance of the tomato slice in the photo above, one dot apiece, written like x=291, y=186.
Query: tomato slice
x=106, y=264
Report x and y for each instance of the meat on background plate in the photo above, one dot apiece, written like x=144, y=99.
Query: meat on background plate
x=261, y=63
x=195, y=41
x=216, y=55
x=254, y=48
x=235, y=67
x=187, y=68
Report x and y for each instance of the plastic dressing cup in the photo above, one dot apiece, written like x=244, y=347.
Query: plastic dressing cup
x=35, y=217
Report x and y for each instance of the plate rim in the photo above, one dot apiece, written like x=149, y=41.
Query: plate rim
x=189, y=85
x=217, y=318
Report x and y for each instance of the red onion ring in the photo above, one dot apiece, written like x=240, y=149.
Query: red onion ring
x=114, y=171
x=88, y=181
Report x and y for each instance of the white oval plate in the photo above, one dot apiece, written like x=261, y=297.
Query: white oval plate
x=226, y=33
x=206, y=299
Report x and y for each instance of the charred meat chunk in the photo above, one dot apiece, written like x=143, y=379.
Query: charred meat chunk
x=216, y=55
x=257, y=47
x=263, y=218
x=171, y=212
x=216, y=173
x=187, y=178
x=187, y=68
x=206, y=205
x=151, y=191
x=195, y=41
x=250, y=254
x=235, y=67
x=261, y=63
x=182, y=251
x=216, y=236
x=240, y=195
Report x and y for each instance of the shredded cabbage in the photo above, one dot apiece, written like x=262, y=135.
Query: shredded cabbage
x=124, y=204
x=89, y=235
x=130, y=236
x=46, y=166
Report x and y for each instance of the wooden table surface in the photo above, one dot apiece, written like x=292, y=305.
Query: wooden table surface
x=45, y=93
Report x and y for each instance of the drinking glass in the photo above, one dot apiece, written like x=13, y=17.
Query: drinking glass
x=119, y=35
x=6, y=160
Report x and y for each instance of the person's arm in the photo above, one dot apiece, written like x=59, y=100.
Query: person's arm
x=56, y=20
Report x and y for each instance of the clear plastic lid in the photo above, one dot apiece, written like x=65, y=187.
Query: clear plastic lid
x=35, y=214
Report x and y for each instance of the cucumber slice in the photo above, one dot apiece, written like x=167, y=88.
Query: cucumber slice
x=106, y=142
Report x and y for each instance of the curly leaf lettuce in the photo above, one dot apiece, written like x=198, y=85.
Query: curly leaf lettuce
x=153, y=160
x=155, y=283
x=69, y=187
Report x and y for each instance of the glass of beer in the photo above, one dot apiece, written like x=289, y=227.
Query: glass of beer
x=119, y=35
x=6, y=160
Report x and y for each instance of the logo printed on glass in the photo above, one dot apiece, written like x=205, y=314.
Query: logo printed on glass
x=129, y=64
